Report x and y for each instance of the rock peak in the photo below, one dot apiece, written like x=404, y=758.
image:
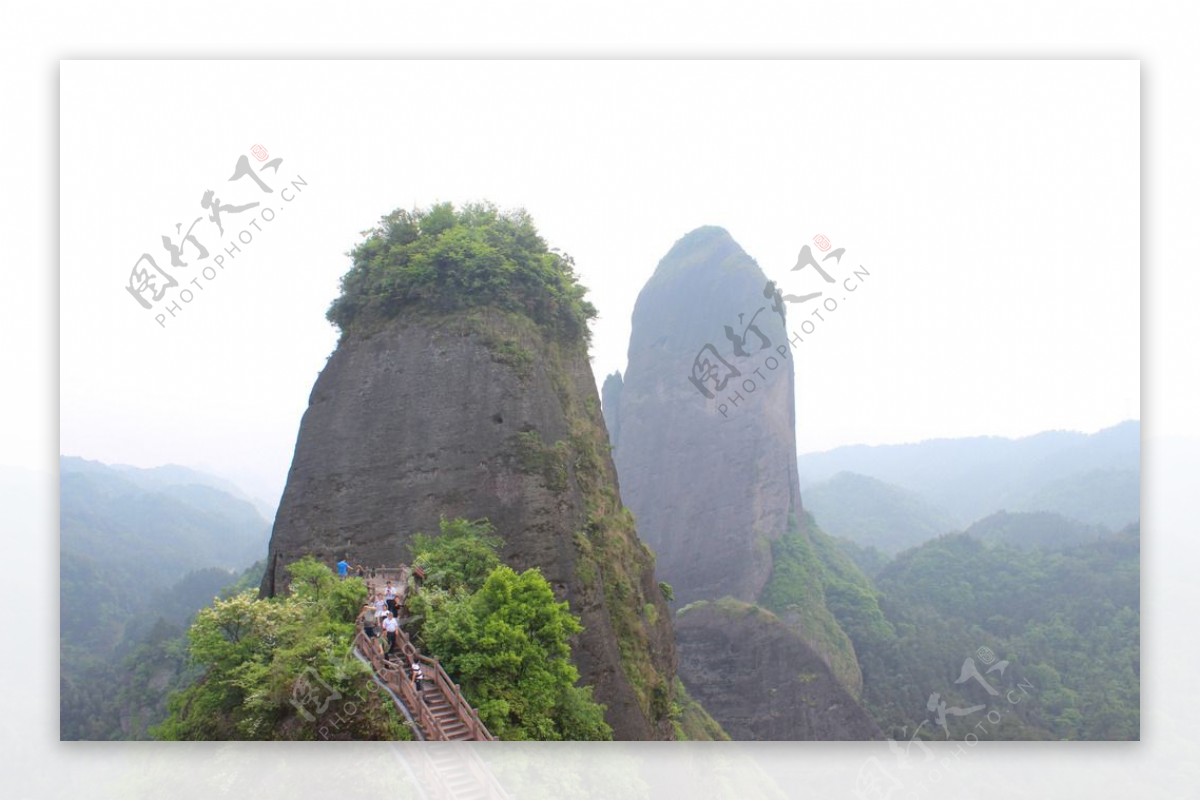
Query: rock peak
x=475, y=415
x=710, y=488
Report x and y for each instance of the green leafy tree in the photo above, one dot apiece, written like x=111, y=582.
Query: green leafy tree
x=508, y=645
x=503, y=636
x=461, y=557
x=259, y=656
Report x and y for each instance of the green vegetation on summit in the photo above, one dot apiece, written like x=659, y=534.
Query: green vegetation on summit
x=445, y=259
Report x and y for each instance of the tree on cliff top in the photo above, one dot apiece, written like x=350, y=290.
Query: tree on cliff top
x=449, y=259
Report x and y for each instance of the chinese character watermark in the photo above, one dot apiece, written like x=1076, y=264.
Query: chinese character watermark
x=915, y=759
x=161, y=289
x=751, y=356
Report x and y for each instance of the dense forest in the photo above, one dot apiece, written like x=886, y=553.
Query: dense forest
x=1044, y=583
x=118, y=690
x=1057, y=626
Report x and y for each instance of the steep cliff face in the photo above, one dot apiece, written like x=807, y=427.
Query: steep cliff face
x=703, y=427
x=754, y=674
x=711, y=480
x=480, y=414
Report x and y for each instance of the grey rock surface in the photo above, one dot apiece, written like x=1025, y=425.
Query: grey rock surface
x=758, y=678
x=705, y=445
x=428, y=417
x=711, y=481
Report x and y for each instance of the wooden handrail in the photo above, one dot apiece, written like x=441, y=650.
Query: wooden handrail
x=396, y=679
x=465, y=712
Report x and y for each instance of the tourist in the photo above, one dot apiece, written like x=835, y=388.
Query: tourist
x=369, y=618
x=418, y=675
x=343, y=567
x=389, y=597
x=391, y=627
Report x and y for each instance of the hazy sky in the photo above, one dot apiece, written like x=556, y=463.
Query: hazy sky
x=995, y=205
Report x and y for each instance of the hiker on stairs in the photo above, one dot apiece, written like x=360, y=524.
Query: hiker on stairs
x=390, y=626
x=418, y=676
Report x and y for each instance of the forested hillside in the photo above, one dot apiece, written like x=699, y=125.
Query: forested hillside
x=1055, y=623
x=138, y=557
x=876, y=514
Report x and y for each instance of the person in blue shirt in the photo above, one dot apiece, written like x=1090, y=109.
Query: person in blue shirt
x=343, y=568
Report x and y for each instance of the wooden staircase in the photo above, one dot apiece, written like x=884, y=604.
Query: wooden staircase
x=439, y=710
x=448, y=721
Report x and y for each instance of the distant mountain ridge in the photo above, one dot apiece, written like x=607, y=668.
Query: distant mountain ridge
x=164, y=522
x=140, y=552
x=167, y=475
x=874, y=513
x=1093, y=478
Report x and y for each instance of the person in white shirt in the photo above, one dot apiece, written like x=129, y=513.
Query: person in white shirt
x=390, y=626
x=389, y=597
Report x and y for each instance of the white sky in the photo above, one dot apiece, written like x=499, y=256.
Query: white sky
x=996, y=205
